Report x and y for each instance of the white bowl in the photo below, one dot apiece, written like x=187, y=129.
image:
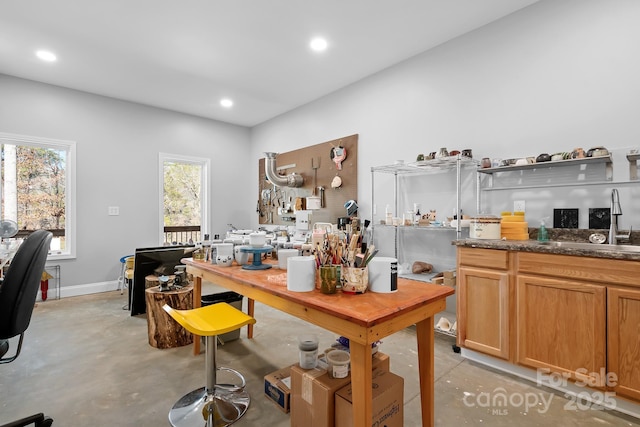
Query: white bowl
x=464, y=223
x=257, y=240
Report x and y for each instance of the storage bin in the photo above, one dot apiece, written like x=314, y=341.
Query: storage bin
x=232, y=298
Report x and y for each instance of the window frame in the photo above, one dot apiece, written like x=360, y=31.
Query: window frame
x=205, y=164
x=70, y=185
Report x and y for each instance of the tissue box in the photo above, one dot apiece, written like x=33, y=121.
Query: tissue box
x=277, y=388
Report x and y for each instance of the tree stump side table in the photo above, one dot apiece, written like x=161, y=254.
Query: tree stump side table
x=164, y=332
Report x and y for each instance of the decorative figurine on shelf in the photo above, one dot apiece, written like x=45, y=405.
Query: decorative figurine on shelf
x=338, y=155
x=442, y=153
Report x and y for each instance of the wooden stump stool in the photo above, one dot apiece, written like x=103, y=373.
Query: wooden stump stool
x=164, y=332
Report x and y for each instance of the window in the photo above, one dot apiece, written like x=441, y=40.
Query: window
x=183, y=198
x=38, y=188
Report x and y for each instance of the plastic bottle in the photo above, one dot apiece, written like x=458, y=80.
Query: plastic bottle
x=388, y=215
x=543, y=235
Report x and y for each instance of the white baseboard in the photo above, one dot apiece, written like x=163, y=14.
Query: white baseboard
x=569, y=388
x=78, y=290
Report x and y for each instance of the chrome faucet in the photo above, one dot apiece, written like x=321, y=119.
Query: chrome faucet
x=616, y=210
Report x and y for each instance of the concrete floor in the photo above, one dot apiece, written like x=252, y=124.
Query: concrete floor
x=86, y=362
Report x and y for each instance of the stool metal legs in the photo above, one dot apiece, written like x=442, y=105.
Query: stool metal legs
x=121, y=279
x=217, y=405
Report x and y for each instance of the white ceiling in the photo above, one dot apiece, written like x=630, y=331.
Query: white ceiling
x=187, y=55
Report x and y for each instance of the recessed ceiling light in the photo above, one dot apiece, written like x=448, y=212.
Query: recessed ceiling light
x=47, y=56
x=226, y=102
x=318, y=44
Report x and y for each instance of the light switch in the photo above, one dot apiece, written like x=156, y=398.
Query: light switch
x=114, y=210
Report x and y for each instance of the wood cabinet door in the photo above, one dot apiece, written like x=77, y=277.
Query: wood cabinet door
x=623, y=332
x=561, y=327
x=483, y=311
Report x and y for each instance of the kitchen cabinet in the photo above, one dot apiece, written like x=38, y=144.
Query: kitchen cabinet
x=436, y=183
x=561, y=326
x=484, y=296
x=623, y=345
x=574, y=316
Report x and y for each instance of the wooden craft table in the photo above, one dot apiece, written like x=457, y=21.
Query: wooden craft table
x=364, y=319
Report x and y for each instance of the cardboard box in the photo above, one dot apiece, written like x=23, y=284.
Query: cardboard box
x=438, y=280
x=312, y=393
x=449, y=274
x=388, y=402
x=450, y=282
x=277, y=387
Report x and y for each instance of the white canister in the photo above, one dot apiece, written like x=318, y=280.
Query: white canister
x=301, y=273
x=383, y=274
x=338, y=363
x=284, y=255
x=485, y=227
x=308, y=346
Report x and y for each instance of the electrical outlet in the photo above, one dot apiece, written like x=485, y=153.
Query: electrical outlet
x=518, y=206
x=114, y=210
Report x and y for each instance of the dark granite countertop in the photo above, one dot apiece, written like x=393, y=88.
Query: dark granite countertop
x=585, y=249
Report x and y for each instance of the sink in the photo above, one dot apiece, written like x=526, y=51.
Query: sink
x=592, y=246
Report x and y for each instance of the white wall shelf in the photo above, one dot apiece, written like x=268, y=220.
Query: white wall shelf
x=560, y=173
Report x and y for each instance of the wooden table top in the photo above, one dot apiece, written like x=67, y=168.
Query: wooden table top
x=368, y=309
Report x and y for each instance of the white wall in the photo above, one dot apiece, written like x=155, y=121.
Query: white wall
x=117, y=165
x=551, y=77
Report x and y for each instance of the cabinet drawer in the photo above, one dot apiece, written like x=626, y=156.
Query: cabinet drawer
x=485, y=258
x=600, y=270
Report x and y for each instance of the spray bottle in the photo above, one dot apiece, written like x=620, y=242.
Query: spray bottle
x=543, y=235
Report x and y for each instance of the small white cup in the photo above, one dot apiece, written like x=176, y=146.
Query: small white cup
x=224, y=249
x=242, y=257
x=257, y=240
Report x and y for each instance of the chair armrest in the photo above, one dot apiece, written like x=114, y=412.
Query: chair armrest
x=38, y=420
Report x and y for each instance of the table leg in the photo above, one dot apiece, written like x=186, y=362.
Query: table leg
x=425, y=337
x=250, y=307
x=361, y=383
x=197, y=302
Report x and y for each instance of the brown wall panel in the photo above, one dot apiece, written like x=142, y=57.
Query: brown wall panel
x=304, y=159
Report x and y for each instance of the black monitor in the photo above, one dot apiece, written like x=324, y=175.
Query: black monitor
x=160, y=260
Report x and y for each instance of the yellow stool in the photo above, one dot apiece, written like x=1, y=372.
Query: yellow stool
x=217, y=404
x=126, y=263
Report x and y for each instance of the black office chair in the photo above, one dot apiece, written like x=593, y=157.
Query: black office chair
x=17, y=297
